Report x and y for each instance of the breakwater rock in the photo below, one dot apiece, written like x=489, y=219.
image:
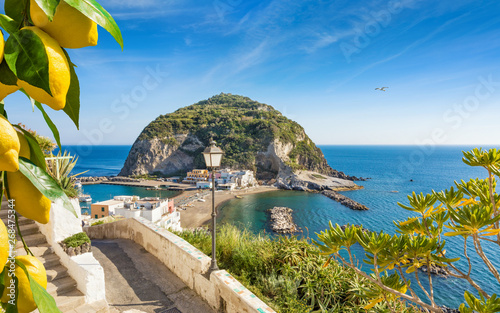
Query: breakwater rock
x=448, y=310
x=351, y=204
x=436, y=270
x=282, y=221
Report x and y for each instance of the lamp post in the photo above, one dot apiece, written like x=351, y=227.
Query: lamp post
x=213, y=157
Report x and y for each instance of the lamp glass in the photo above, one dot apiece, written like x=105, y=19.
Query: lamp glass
x=208, y=160
x=216, y=159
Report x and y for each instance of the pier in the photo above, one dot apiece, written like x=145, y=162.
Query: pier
x=345, y=201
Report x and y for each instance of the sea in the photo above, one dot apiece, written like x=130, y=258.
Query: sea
x=393, y=173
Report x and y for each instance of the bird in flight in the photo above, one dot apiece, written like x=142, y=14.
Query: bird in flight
x=382, y=89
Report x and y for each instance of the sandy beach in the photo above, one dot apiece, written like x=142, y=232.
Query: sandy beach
x=200, y=212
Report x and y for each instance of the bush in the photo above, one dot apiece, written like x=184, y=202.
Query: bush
x=286, y=272
x=76, y=240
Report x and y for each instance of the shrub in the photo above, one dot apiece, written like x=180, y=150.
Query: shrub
x=76, y=240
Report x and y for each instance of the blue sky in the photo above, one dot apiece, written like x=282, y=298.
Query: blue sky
x=318, y=62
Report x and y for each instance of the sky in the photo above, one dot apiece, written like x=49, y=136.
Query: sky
x=318, y=62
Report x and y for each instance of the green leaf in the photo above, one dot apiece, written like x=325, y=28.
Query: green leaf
x=2, y=279
x=96, y=12
x=6, y=75
x=72, y=108
x=45, y=183
x=49, y=122
x=9, y=308
x=36, y=153
x=8, y=24
x=44, y=301
x=15, y=9
x=2, y=110
x=26, y=56
x=48, y=7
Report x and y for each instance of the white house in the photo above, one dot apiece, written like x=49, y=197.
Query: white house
x=203, y=184
x=230, y=179
x=156, y=210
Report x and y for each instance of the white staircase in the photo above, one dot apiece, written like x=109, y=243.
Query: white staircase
x=59, y=284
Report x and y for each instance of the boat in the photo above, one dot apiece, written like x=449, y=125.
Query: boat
x=84, y=198
x=201, y=200
x=238, y=197
x=78, y=184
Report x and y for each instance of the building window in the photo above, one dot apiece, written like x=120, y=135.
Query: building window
x=102, y=209
x=103, y=215
x=96, y=216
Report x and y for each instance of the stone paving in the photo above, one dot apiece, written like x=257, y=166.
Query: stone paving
x=136, y=280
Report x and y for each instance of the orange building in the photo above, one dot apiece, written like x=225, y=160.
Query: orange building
x=196, y=176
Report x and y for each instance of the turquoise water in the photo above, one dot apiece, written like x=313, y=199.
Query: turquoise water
x=107, y=161
x=390, y=169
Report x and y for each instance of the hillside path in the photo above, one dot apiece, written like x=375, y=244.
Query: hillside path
x=137, y=280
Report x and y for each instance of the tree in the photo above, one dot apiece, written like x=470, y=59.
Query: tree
x=33, y=60
x=469, y=210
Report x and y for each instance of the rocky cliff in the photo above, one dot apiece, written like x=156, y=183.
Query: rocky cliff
x=253, y=136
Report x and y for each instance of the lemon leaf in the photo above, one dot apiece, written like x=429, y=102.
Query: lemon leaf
x=49, y=122
x=45, y=183
x=8, y=24
x=36, y=154
x=14, y=9
x=6, y=75
x=95, y=12
x=48, y=7
x=72, y=107
x=27, y=58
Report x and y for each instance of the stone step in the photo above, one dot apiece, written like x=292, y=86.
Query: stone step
x=96, y=307
x=49, y=261
x=56, y=272
x=69, y=301
x=29, y=229
x=4, y=214
x=32, y=240
x=61, y=286
x=40, y=250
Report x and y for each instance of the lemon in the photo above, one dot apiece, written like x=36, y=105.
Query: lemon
x=6, y=90
x=59, y=73
x=2, y=46
x=4, y=244
x=9, y=147
x=25, y=302
x=30, y=202
x=69, y=26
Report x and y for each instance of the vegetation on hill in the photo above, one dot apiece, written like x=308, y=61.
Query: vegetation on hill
x=288, y=273
x=242, y=128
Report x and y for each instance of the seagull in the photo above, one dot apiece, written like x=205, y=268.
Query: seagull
x=382, y=89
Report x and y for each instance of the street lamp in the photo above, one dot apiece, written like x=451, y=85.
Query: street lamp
x=213, y=157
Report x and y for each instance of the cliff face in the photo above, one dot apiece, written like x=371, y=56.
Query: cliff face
x=252, y=135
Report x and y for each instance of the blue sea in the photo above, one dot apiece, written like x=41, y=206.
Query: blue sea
x=394, y=172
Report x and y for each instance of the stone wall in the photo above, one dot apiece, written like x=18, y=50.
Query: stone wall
x=219, y=289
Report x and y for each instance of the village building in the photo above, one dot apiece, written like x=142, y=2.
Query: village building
x=196, y=176
x=174, y=179
x=204, y=184
x=156, y=210
x=230, y=179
